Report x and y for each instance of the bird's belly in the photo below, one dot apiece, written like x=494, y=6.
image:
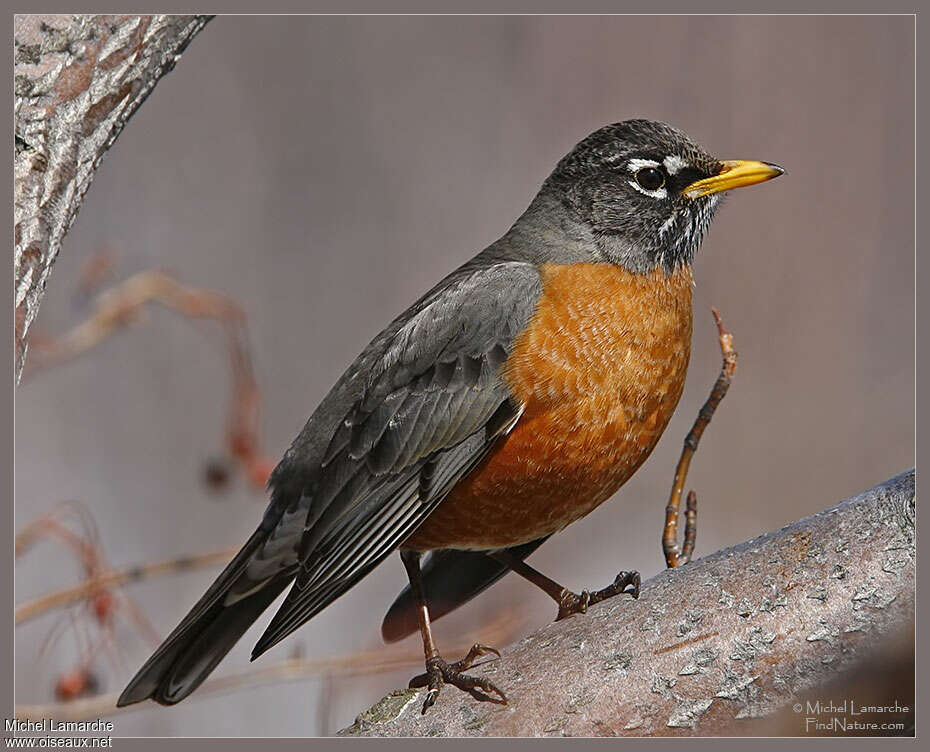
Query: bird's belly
x=599, y=371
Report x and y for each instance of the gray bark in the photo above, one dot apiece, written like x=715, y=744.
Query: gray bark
x=735, y=636
x=77, y=80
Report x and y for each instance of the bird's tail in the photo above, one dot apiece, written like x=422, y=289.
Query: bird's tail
x=207, y=633
x=450, y=579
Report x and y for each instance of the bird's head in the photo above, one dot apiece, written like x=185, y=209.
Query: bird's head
x=647, y=192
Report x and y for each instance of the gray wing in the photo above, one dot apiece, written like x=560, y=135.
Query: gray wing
x=420, y=408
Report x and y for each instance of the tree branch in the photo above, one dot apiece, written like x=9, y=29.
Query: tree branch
x=735, y=636
x=77, y=81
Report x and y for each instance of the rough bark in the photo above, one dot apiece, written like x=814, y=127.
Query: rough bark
x=77, y=80
x=739, y=635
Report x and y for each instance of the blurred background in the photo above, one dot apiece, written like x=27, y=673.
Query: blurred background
x=323, y=172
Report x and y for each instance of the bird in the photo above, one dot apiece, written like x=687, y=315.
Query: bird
x=510, y=400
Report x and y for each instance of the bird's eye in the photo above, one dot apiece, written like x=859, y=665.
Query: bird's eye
x=650, y=178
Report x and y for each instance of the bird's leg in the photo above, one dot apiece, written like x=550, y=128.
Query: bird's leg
x=438, y=672
x=569, y=603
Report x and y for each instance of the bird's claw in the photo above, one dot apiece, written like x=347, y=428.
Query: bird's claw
x=570, y=603
x=438, y=672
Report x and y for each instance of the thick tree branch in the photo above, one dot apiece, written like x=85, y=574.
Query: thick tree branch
x=735, y=636
x=77, y=80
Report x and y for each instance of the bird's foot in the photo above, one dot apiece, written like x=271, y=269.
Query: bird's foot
x=438, y=672
x=571, y=603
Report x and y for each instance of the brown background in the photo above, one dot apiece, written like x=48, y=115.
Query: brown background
x=325, y=171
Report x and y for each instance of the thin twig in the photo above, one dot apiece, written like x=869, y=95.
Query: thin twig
x=122, y=305
x=676, y=555
x=100, y=605
x=39, y=529
x=381, y=660
x=38, y=606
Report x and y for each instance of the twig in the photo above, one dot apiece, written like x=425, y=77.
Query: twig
x=38, y=529
x=95, y=272
x=382, y=660
x=122, y=305
x=101, y=604
x=38, y=606
x=292, y=669
x=676, y=555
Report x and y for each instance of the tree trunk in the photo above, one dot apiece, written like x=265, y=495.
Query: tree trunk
x=77, y=80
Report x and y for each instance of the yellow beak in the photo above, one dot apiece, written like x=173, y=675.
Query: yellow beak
x=736, y=173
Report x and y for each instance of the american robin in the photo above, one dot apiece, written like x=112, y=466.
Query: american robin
x=510, y=400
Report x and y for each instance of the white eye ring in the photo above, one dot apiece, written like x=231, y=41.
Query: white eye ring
x=657, y=193
x=635, y=165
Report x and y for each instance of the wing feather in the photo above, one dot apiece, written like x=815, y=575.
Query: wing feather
x=426, y=410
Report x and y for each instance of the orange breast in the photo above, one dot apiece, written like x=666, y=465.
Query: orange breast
x=599, y=370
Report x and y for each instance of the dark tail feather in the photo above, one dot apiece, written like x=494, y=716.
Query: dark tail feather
x=204, y=636
x=451, y=578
